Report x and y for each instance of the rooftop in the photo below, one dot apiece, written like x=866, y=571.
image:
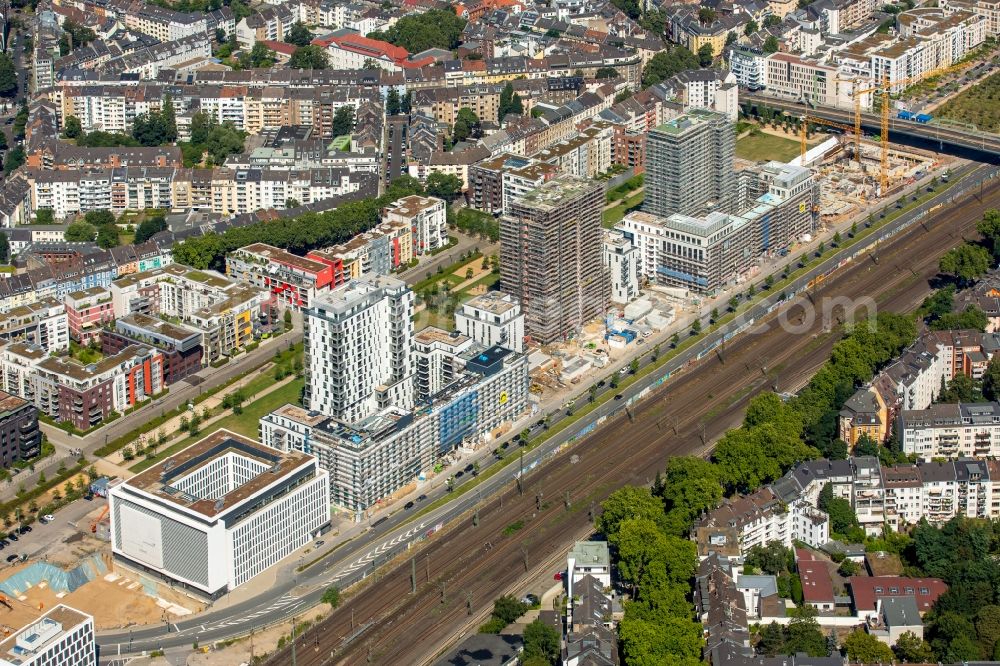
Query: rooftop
x=693, y=118
x=167, y=479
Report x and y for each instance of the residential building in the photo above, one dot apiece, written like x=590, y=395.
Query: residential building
x=84, y=395
x=817, y=585
x=867, y=591
x=20, y=437
x=713, y=89
x=492, y=319
x=588, y=558
x=349, y=50
x=380, y=251
x=219, y=513
x=689, y=162
x=291, y=279
x=374, y=457
x=229, y=314
x=621, y=260
x=43, y=323
x=426, y=218
x=748, y=65
x=550, y=257
x=895, y=616
x=358, y=344
x=864, y=413
x=87, y=311
x=796, y=78
x=62, y=636
x=964, y=430
x=179, y=345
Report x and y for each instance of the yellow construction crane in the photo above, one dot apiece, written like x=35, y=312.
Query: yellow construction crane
x=883, y=90
x=803, y=126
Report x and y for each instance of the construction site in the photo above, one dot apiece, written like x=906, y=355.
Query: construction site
x=850, y=186
x=72, y=564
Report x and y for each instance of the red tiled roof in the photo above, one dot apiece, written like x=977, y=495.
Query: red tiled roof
x=866, y=589
x=280, y=47
x=817, y=587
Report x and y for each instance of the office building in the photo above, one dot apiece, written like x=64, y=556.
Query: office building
x=551, y=257
x=218, y=513
x=20, y=438
x=358, y=341
x=62, y=637
x=373, y=458
x=493, y=318
x=689, y=165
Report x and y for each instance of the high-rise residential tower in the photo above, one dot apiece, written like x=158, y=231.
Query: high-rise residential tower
x=551, y=247
x=689, y=165
x=358, y=343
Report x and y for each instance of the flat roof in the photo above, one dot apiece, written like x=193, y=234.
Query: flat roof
x=413, y=204
x=282, y=256
x=494, y=302
x=157, y=478
x=693, y=118
x=10, y=403
x=12, y=648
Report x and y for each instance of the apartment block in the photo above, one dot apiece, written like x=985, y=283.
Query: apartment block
x=965, y=430
x=425, y=217
x=689, y=165
x=380, y=251
x=349, y=50
x=551, y=257
x=794, y=77
x=370, y=459
x=43, y=323
x=228, y=314
x=291, y=279
x=87, y=311
x=703, y=253
x=587, y=154
x=20, y=437
x=492, y=319
x=621, y=259
x=358, y=345
x=84, y=395
x=179, y=345
x=219, y=513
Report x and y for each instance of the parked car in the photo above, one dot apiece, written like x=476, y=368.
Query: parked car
x=422, y=498
x=530, y=599
x=318, y=543
x=48, y=517
x=25, y=529
x=558, y=575
x=12, y=536
x=11, y=558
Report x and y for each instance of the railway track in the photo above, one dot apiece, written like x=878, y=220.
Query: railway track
x=384, y=623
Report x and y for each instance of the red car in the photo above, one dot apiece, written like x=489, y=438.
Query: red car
x=558, y=575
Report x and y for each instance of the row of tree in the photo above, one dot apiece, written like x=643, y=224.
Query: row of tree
x=299, y=234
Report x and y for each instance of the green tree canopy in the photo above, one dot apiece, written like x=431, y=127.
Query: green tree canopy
x=510, y=102
x=705, y=55
x=443, y=185
x=666, y=63
x=508, y=609
x=966, y=262
x=80, y=231
x=72, y=128
x=343, y=120
x=436, y=28
x=864, y=648
x=149, y=227
x=466, y=125
x=541, y=641
x=628, y=502
x=309, y=57
x=771, y=44
x=299, y=34
x=912, y=649
x=8, y=76
x=15, y=158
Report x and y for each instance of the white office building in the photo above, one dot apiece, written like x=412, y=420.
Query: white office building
x=61, y=637
x=493, y=318
x=622, y=260
x=371, y=459
x=218, y=513
x=358, y=344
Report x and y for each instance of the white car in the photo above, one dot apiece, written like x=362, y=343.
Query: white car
x=48, y=518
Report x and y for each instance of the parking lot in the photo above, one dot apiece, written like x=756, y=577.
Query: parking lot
x=45, y=539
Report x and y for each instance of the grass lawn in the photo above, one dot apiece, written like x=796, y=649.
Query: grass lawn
x=977, y=105
x=245, y=423
x=765, y=147
x=85, y=355
x=613, y=216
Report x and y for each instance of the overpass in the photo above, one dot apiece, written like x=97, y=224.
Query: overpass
x=961, y=142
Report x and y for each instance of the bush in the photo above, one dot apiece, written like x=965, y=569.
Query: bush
x=494, y=626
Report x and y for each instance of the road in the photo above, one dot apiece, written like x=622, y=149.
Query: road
x=359, y=559
x=980, y=146
x=384, y=623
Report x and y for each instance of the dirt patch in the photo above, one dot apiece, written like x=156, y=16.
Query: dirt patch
x=243, y=650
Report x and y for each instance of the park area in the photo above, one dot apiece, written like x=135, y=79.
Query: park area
x=979, y=105
x=439, y=295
